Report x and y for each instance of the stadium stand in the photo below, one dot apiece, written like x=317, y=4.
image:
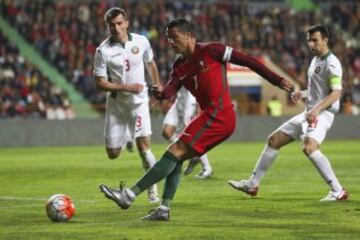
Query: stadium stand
x=25, y=92
x=66, y=33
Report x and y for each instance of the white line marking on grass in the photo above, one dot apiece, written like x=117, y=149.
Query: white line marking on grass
x=41, y=199
x=21, y=206
x=22, y=198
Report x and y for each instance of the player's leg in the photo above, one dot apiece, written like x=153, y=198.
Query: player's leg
x=148, y=161
x=199, y=136
x=115, y=131
x=191, y=165
x=170, y=124
x=312, y=139
x=267, y=157
x=203, y=134
x=176, y=153
x=113, y=152
x=271, y=150
x=206, y=171
x=322, y=164
x=189, y=112
x=130, y=143
x=142, y=131
x=285, y=134
x=171, y=184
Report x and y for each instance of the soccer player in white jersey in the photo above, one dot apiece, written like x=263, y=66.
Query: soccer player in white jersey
x=176, y=119
x=322, y=102
x=119, y=69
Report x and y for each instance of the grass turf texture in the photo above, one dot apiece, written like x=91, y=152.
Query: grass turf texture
x=287, y=206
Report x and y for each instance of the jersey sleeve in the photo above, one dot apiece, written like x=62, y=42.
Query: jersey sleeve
x=239, y=58
x=224, y=53
x=148, y=52
x=219, y=52
x=100, y=67
x=172, y=86
x=334, y=74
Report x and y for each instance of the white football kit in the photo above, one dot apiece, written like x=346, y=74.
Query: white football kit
x=182, y=110
x=124, y=111
x=324, y=75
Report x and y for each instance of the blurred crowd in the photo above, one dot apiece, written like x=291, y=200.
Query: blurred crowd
x=25, y=92
x=66, y=33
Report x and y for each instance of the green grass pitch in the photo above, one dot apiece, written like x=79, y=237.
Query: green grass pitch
x=287, y=206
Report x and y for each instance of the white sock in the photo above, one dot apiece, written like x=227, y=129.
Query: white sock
x=148, y=159
x=130, y=193
x=164, y=207
x=173, y=138
x=266, y=159
x=205, y=162
x=323, y=165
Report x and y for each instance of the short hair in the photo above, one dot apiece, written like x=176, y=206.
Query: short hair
x=182, y=25
x=319, y=28
x=113, y=13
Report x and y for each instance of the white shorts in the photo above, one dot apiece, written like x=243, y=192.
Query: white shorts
x=124, y=122
x=298, y=128
x=179, y=119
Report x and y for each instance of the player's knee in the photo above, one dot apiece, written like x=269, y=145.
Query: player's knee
x=113, y=153
x=143, y=143
x=273, y=142
x=308, y=149
x=181, y=150
x=309, y=146
x=166, y=133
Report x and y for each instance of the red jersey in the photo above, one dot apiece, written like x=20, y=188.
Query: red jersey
x=204, y=75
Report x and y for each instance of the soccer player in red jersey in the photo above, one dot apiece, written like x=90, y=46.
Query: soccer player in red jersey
x=200, y=69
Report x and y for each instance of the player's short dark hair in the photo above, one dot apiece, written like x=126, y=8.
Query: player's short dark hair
x=319, y=28
x=182, y=25
x=113, y=13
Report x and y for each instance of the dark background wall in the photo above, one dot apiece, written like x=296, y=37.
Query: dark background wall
x=19, y=133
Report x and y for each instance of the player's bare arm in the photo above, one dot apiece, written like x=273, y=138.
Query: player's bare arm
x=325, y=103
x=157, y=91
x=153, y=72
x=104, y=85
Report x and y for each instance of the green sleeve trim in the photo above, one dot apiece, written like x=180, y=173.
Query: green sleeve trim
x=334, y=81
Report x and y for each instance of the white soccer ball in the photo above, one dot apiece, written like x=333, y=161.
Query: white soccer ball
x=60, y=208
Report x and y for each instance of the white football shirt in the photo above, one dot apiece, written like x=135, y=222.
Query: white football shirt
x=321, y=71
x=124, y=64
x=184, y=101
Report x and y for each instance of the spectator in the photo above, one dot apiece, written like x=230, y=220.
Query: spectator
x=274, y=107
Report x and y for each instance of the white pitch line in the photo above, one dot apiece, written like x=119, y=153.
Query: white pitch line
x=22, y=198
x=41, y=199
x=21, y=206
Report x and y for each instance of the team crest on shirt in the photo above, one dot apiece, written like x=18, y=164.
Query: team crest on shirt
x=203, y=67
x=317, y=69
x=135, y=50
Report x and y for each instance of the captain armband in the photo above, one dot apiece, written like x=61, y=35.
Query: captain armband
x=227, y=54
x=335, y=83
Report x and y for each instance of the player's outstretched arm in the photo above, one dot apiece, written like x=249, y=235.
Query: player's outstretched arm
x=157, y=91
x=153, y=72
x=324, y=104
x=104, y=85
x=239, y=58
x=297, y=95
x=222, y=53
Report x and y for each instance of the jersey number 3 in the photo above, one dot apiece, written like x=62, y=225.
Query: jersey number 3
x=138, y=122
x=127, y=65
